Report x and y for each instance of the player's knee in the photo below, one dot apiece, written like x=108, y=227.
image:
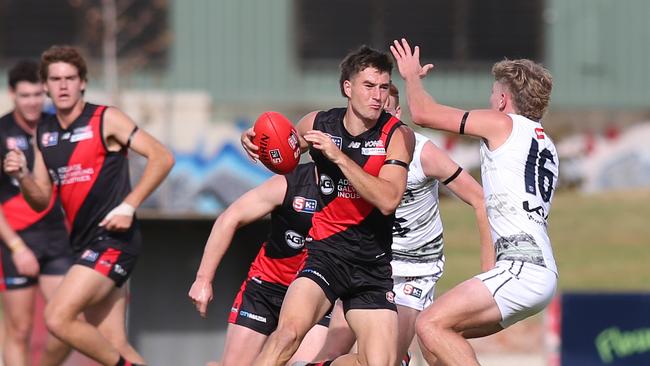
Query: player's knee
x=428, y=324
x=56, y=319
x=286, y=336
x=19, y=332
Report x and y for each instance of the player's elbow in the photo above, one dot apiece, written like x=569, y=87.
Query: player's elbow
x=389, y=205
x=167, y=159
x=39, y=204
x=419, y=116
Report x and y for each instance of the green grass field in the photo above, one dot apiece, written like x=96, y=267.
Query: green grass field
x=600, y=241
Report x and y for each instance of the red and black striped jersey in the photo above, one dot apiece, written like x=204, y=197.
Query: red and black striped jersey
x=348, y=224
x=19, y=215
x=282, y=255
x=92, y=180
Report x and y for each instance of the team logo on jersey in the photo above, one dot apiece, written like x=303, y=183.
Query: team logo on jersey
x=411, y=290
x=18, y=142
x=326, y=184
x=302, y=204
x=539, y=132
x=50, y=139
x=276, y=157
x=81, y=133
x=354, y=145
x=293, y=239
x=373, y=147
x=336, y=140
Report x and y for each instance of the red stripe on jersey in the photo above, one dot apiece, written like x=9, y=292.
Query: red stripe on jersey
x=20, y=216
x=75, y=192
x=276, y=270
x=107, y=260
x=342, y=213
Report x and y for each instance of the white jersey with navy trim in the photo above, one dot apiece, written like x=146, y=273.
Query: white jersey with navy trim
x=417, y=230
x=519, y=180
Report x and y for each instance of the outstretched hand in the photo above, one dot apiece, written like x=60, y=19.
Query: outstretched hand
x=408, y=62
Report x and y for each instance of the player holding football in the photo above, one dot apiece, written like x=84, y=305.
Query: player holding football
x=418, y=259
x=362, y=155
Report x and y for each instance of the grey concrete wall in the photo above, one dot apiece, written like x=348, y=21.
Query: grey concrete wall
x=163, y=324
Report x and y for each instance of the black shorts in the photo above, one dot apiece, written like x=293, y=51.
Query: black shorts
x=359, y=285
x=107, y=257
x=257, y=306
x=52, y=250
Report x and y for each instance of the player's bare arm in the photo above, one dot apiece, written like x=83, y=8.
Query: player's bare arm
x=437, y=164
x=493, y=126
x=119, y=132
x=36, y=185
x=252, y=206
x=23, y=257
x=385, y=190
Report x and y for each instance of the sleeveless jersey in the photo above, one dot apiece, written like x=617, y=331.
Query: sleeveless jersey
x=283, y=254
x=417, y=231
x=91, y=180
x=519, y=180
x=348, y=225
x=19, y=215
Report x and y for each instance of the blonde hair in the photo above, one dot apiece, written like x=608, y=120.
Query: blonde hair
x=529, y=83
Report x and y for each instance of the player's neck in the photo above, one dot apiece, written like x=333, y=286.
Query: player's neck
x=67, y=116
x=355, y=124
x=22, y=122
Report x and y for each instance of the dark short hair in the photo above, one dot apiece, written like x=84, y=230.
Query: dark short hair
x=394, y=92
x=67, y=54
x=24, y=70
x=359, y=60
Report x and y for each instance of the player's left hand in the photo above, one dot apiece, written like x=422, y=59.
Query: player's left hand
x=201, y=295
x=408, y=62
x=323, y=142
x=119, y=219
x=26, y=262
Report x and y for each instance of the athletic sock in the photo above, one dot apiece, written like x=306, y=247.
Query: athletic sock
x=406, y=360
x=123, y=362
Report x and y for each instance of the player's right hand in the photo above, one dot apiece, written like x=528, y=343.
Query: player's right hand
x=26, y=262
x=248, y=145
x=15, y=164
x=408, y=61
x=201, y=295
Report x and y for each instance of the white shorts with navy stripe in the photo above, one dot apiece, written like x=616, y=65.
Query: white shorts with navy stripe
x=520, y=289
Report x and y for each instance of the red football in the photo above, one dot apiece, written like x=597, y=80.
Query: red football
x=278, y=142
